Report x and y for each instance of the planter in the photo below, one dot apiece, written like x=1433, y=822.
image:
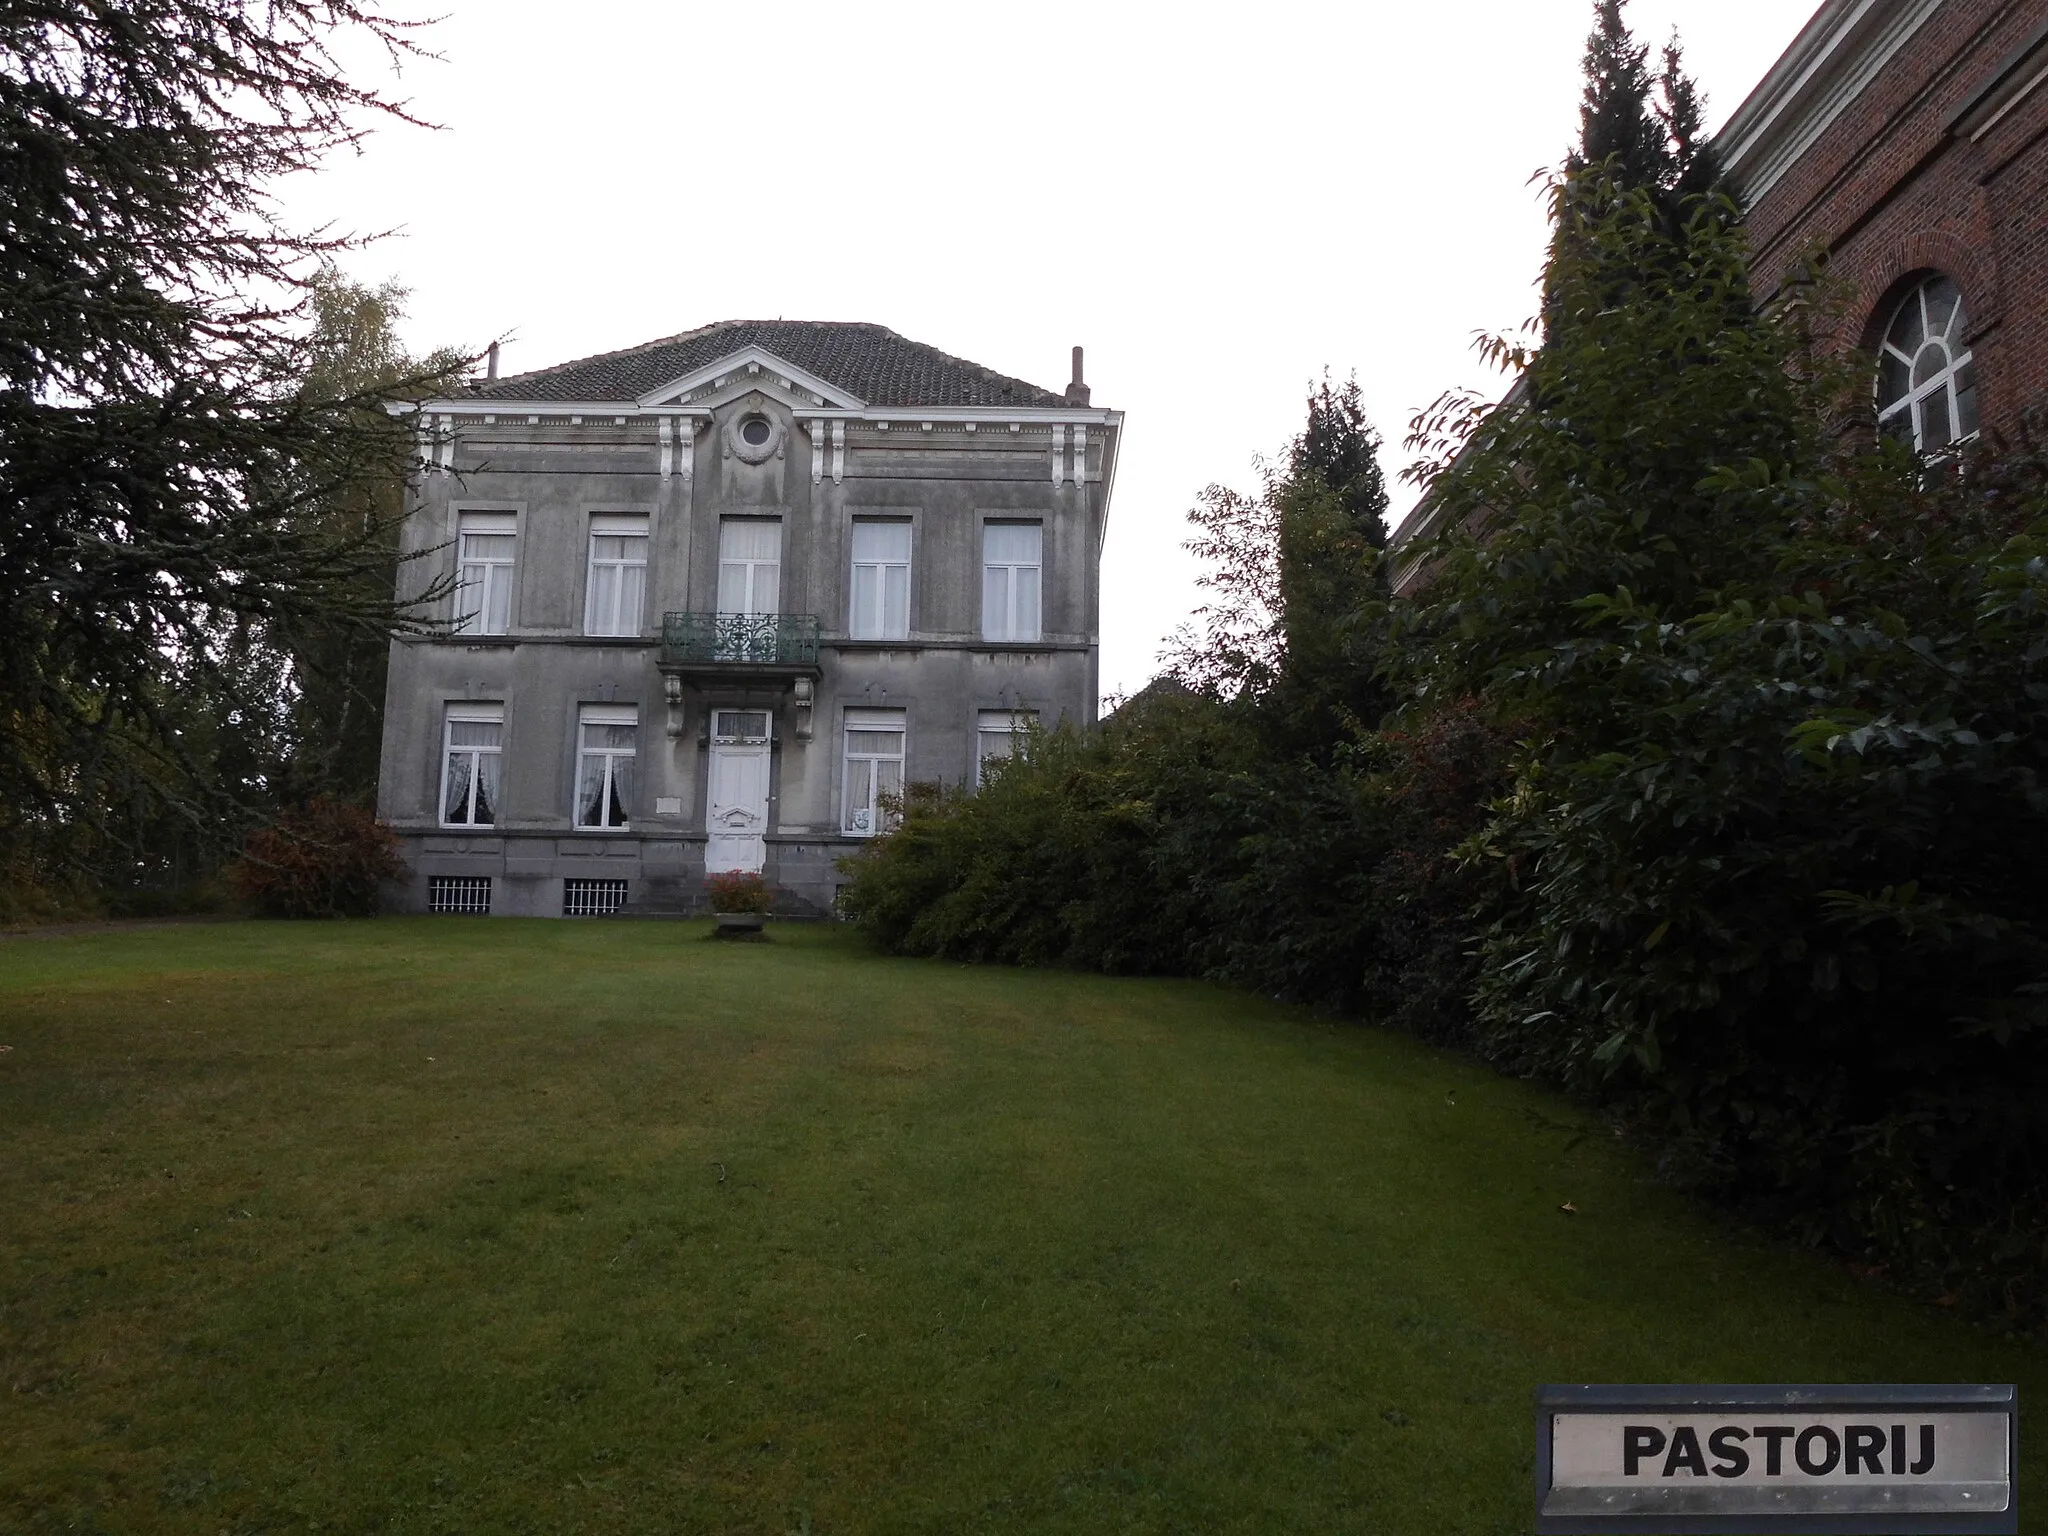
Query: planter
x=737, y=925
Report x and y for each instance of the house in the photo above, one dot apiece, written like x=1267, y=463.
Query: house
x=1904, y=145
x=718, y=597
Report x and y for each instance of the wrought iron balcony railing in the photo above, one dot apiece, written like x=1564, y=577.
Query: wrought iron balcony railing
x=740, y=639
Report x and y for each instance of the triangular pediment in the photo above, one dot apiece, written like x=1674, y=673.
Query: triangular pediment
x=753, y=368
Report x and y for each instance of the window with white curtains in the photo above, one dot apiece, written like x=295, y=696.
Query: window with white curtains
x=1011, y=560
x=606, y=741
x=487, y=544
x=874, y=768
x=998, y=734
x=749, y=565
x=615, y=600
x=881, y=581
x=471, y=760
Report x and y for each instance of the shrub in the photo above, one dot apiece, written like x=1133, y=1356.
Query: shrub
x=737, y=890
x=324, y=859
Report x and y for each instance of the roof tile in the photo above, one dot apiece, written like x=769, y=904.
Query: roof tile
x=870, y=361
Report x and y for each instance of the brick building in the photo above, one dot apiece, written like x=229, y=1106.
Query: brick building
x=1905, y=143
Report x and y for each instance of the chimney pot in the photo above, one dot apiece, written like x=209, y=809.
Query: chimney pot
x=491, y=367
x=1077, y=390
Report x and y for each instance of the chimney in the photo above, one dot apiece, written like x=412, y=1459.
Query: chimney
x=491, y=367
x=1077, y=391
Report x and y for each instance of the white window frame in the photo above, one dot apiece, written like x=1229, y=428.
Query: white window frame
x=861, y=775
x=750, y=604
x=604, y=714
x=873, y=579
x=1003, y=618
x=627, y=573
x=1942, y=389
x=489, y=577
x=471, y=714
x=1010, y=723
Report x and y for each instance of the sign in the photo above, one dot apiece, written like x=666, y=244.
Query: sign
x=1851, y=1459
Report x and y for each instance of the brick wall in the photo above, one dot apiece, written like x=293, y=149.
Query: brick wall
x=1897, y=186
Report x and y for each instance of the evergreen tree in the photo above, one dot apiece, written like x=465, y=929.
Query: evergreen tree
x=1339, y=447
x=165, y=435
x=1617, y=121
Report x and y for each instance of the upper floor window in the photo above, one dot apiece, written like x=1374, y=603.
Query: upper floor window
x=487, y=542
x=1926, y=381
x=1010, y=570
x=749, y=565
x=616, y=599
x=607, y=737
x=473, y=750
x=881, y=581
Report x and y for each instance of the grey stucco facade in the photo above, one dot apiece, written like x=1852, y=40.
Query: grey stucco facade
x=718, y=595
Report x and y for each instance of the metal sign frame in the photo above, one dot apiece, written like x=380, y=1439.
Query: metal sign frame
x=1552, y=1401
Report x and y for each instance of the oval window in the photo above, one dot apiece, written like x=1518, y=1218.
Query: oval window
x=755, y=431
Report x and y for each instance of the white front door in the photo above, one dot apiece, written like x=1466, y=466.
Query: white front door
x=737, y=812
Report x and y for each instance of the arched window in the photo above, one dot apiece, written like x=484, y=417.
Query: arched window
x=1926, y=382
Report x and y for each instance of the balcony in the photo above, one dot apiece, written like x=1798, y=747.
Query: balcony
x=733, y=647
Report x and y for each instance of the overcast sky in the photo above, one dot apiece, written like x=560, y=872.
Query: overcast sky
x=1217, y=202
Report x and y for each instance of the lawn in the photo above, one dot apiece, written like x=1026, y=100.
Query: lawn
x=425, y=1225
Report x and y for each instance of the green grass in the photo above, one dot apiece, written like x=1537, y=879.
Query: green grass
x=446, y=1225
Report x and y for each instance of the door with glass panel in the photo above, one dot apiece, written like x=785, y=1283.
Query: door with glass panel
x=749, y=587
x=736, y=810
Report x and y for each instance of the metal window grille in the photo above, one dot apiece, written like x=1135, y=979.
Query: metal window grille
x=592, y=898
x=469, y=895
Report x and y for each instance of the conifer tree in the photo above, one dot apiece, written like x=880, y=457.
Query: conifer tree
x=164, y=434
x=1617, y=120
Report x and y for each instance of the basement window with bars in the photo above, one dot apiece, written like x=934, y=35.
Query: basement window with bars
x=460, y=895
x=592, y=898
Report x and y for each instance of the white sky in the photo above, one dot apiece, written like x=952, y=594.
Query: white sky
x=1215, y=201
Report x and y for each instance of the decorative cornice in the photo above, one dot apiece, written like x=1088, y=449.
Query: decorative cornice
x=1836, y=54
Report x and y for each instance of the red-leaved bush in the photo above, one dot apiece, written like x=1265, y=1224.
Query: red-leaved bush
x=324, y=859
x=737, y=891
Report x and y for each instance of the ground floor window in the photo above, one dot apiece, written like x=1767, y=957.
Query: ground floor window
x=466, y=895
x=606, y=737
x=592, y=898
x=998, y=734
x=874, y=768
x=471, y=760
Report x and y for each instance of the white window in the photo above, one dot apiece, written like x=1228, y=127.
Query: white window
x=1010, y=562
x=486, y=543
x=749, y=565
x=470, y=763
x=874, y=768
x=616, y=600
x=606, y=736
x=1926, y=379
x=881, y=581
x=998, y=733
